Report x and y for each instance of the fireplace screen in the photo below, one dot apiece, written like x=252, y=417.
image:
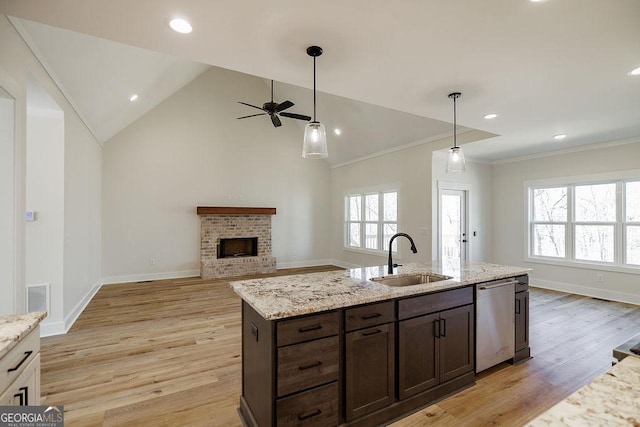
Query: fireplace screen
x=240, y=247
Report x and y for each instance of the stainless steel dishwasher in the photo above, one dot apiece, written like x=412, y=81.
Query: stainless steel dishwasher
x=495, y=322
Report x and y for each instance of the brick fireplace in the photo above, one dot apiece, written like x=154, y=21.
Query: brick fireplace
x=235, y=241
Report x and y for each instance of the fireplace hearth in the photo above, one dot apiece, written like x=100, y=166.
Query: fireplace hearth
x=225, y=249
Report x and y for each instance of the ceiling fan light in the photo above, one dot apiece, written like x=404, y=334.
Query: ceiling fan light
x=455, y=160
x=314, y=145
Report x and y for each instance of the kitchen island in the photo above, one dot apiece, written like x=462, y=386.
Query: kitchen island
x=337, y=348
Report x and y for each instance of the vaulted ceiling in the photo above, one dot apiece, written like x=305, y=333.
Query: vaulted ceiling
x=546, y=68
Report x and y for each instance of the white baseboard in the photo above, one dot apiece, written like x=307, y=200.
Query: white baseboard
x=150, y=276
x=606, y=294
x=344, y=264
x=60, y=328
x=301, y=264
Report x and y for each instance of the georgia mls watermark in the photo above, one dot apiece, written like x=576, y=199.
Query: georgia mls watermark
x=31, y=416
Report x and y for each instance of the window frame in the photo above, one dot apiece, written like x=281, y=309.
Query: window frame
x=620, y=225
x=380, y=223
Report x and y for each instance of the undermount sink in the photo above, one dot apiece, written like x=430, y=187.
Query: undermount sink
x=410, y=280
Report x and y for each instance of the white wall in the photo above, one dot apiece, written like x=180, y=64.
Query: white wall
x=44, y=251
x=7, y=206
x=510, y=228
x=191, y=151
x=409, y=172
x=477, y=181
x=82, y=170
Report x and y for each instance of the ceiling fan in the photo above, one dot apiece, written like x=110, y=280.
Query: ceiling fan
x=274, y=110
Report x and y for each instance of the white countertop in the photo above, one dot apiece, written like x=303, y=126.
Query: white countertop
x=287, y=296
x=612, y=399
x=15, y=327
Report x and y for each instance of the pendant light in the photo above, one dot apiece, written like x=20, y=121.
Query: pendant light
x=455, y=161
x=314, y=145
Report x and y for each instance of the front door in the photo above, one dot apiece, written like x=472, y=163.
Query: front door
x=453, y=227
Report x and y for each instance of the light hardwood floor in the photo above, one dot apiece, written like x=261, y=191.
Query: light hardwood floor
x=167, y=353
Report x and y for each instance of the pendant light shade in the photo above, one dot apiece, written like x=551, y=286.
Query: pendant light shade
x=314, y=145
x=455, y=160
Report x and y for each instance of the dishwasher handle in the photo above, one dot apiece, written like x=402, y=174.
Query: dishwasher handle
x=497, y=285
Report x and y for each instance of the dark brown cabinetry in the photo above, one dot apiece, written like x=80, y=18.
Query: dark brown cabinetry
x=437, y=347
x=370, y=360
x=522, y=349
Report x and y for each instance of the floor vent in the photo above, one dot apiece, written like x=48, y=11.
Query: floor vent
x=38, y=297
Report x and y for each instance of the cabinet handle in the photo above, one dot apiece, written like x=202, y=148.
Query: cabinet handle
x=443, y=325
x=517, y=306
x=310, y=328
x=436, y=327
x=23, y=396
x=366, y=334
x=26, y=356
x=302, y=417
x=313, y=365
x=371, y=316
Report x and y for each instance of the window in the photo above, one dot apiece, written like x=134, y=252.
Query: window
x=371, y=220
x=595, y=222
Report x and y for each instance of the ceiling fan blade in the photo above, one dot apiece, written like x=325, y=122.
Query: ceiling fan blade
x=275, y=120
x=244, y=103
x=284, y=105
x=253, y=115
x=295, y=116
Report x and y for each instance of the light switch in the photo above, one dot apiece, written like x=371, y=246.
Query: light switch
x=30, y=216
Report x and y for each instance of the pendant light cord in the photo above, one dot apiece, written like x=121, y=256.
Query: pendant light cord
x=314, y=88
x=455, y=144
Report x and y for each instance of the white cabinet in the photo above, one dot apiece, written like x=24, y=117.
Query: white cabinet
x=20, y=373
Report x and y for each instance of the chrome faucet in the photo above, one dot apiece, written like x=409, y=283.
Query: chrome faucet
x=413, y=248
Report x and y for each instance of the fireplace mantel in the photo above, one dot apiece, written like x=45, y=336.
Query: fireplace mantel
x=231, y=210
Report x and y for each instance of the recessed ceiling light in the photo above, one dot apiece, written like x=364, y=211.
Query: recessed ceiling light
x=491, y=116
x=559, y=136
x=537, y=1
x=337, y=131
x=635, y=72
x=180, y=25
x=133, y=97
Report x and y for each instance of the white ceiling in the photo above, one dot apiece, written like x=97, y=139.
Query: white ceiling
x=558, y=66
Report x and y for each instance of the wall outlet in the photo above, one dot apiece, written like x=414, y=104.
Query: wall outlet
x=600, y=278
x=152, y=261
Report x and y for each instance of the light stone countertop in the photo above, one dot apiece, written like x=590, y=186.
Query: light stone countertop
x=15, y=327
x=612, y=399
x=287, y=296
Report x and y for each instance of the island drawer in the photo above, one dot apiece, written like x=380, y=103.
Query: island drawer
x=307, y=328
x=307, y=365
x=317, y=407
x=523, y=283
x=16, y=360
x=431, y=303
x=369, y=315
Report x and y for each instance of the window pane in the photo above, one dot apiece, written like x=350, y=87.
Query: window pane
x=371, y=207
x=596, y=202
x=632, y=197
x=390, y=201
x=371, y=236
x=354, y=235
x=389, y=231
x=550, y=204
x=355, y=202
x=548, y=240
x=594, y=242
x=633, y=245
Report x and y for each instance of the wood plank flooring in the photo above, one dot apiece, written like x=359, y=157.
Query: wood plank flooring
x=167, y=353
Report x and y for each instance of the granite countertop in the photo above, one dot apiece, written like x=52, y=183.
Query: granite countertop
x=287, y=296
x=612, y=399
x=15, y=327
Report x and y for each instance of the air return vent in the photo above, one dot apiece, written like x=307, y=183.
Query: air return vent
x=38, y=297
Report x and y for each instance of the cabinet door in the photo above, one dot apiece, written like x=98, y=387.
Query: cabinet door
x=370, y=370
x=25, y=390
x=456, y=342
x=522, y=321
x=418, y=355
